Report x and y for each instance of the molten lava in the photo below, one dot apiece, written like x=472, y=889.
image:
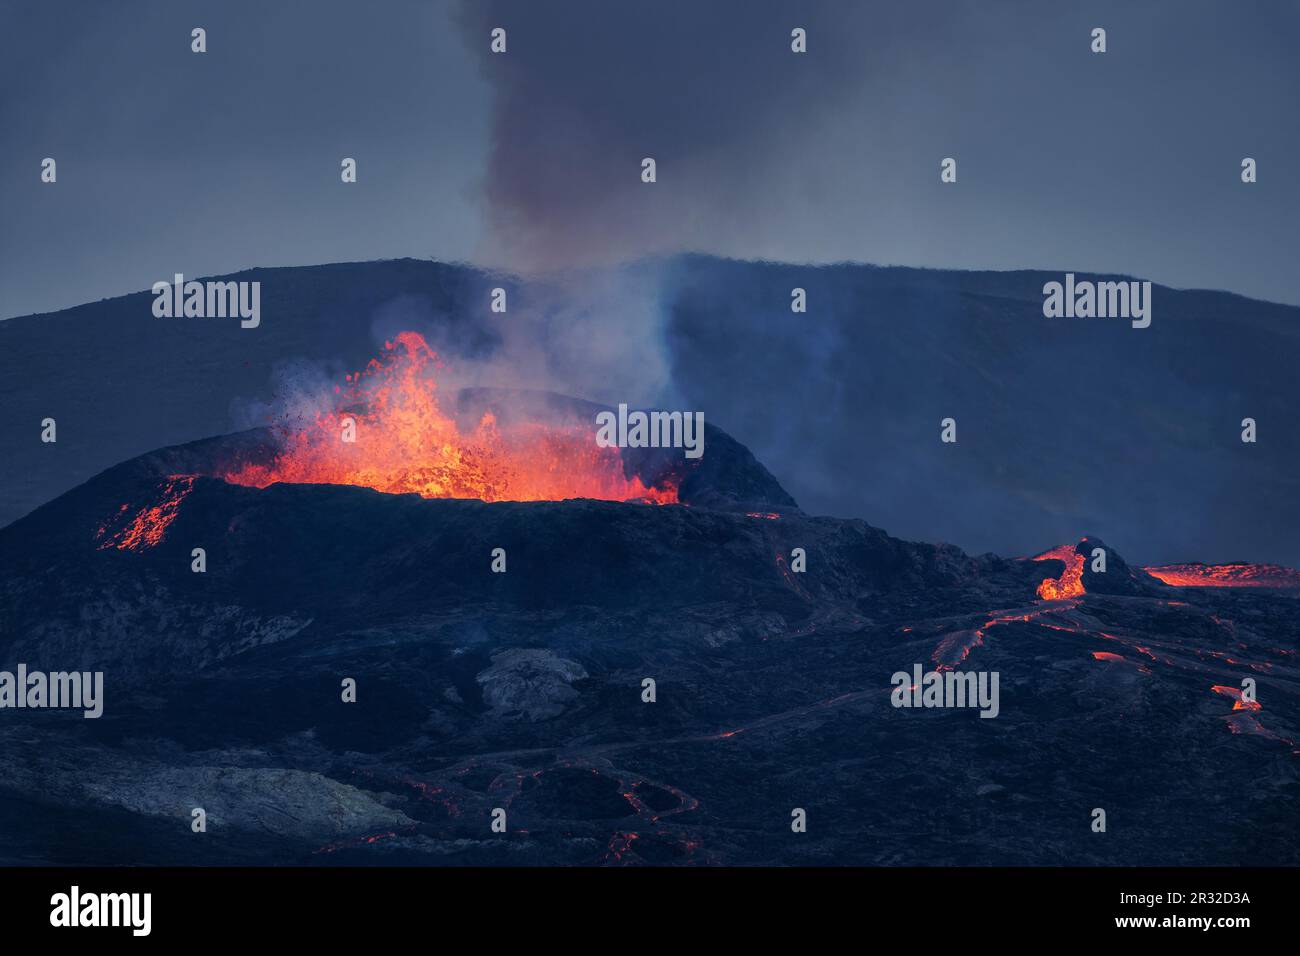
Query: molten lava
x=146, y=526
x=404, y=442
x=1226, y=575
x=1070, y=583
x=1239, y=702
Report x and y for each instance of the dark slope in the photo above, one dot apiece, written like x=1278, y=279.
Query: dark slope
x=340, y=556
x=523, y=691
x=1063, y=424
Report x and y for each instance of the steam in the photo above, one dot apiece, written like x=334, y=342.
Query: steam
x=594, y=334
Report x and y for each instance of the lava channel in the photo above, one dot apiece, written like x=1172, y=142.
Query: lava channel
x=1070, y=582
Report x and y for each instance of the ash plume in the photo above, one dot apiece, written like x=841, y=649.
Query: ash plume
x=710, y=90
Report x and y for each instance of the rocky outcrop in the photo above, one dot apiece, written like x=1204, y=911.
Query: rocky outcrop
x=529, y=682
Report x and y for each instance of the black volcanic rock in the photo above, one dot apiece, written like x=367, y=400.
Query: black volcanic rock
x=288, y=556
x=524, y=690
x=532, y=683
x=1119, y=577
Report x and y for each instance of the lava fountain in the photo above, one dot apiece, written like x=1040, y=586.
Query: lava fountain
x=387, y=431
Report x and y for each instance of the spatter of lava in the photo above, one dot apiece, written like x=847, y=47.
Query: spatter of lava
x=1070, y=583
x=144, y=527
x=404, y=442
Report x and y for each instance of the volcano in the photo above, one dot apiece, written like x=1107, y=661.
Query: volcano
x=768, y=636
x=392, y=431
x=1083, y=573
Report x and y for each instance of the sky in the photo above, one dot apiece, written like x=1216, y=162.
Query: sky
x=528, y=161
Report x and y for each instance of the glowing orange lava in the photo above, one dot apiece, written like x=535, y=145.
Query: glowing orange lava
x=1235, y=693
x=404, y=442
x=1070, y=583
x=147, y=526
x=1226, y=575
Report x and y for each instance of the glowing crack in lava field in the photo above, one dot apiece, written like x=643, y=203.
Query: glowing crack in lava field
x=405, y=442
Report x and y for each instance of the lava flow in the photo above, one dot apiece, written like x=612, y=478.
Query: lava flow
x=146, y=527
x=404, y=442
x=1070, y=583
x=1226, y=575
x=1239, y=701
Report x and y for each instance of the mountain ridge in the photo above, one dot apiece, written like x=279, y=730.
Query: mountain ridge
x=843, y=403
